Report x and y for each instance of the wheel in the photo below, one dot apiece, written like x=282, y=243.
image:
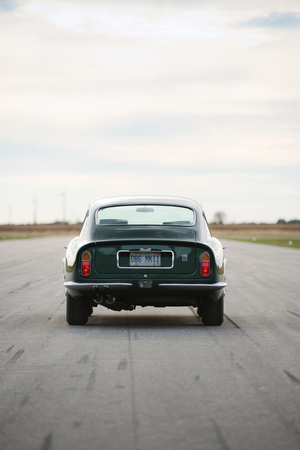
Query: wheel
x=77, y=311
x=213, y=312
x=200, y=309
x=90, y=310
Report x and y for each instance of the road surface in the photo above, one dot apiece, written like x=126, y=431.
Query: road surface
x=151, y=379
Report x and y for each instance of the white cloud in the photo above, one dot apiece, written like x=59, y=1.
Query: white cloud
x=153, y=25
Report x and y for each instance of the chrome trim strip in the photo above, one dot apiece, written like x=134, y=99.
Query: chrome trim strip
x=74, y=286
x=145, y=251
x=194, y=287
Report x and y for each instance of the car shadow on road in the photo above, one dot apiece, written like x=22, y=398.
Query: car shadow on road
x=151, y=320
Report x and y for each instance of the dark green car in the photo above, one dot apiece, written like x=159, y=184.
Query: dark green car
x=144, y=251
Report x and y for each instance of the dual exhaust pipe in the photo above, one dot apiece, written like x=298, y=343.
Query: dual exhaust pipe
x=109, y=301
x=107, y=298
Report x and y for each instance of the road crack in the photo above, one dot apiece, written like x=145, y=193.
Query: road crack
x=16, y=356
x=292, y=377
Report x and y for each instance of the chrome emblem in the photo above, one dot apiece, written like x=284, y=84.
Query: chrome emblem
x=184, y=257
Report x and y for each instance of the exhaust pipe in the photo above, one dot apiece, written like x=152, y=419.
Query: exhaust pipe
x=110, y=302
x=107, y=298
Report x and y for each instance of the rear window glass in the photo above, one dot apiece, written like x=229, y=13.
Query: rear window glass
x=145, y=215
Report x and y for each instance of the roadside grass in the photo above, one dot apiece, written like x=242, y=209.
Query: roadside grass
x=282, y=241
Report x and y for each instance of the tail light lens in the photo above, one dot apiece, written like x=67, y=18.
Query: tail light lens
x=86, y=264
x=205, y=264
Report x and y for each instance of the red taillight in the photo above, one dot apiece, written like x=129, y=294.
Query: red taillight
x=86, y=264
x=205, y=264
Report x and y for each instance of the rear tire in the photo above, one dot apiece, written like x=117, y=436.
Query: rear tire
x=213, y=312
x=200, y=309
x=77, y=311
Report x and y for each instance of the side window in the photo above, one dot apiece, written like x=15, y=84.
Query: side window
x=206, y=226
x=83, y=228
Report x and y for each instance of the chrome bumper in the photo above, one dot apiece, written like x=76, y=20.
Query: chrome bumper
x=200, y=287
x=90, y=287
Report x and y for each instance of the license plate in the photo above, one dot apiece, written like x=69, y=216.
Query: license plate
x=144, y=259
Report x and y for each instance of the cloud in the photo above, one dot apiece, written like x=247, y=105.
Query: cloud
x=275, y=20
x=146, y=23
x=166, y=24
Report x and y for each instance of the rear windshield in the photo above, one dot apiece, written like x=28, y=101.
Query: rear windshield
x=145, y=215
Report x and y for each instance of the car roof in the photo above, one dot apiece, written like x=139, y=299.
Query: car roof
x=145, y=199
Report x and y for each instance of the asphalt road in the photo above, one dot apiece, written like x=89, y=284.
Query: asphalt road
x=151, y=379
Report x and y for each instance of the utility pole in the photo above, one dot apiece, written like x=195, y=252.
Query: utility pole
x=64, y=207
x=34, y=211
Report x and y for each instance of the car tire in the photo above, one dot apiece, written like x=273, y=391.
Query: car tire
x=213, y=312
x=200, y=309
x=90, y=310
x=77, y=311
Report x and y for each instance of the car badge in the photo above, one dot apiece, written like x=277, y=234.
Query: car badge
x=184, y=257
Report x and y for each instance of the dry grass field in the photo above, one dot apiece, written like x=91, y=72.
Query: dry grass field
x=231, y=230
x=285, y=235
x=256, y=230
x=25, y=231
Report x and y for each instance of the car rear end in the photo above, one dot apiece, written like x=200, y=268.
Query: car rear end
x=132, y=261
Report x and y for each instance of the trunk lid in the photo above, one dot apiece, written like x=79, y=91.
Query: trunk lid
x=175, y=249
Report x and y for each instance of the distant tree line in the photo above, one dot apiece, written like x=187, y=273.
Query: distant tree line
x=220, y=217
x=280, y=221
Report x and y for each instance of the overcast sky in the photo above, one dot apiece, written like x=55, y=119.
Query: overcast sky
x=197, y=98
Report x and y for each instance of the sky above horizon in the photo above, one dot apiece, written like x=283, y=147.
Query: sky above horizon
x=194, y=98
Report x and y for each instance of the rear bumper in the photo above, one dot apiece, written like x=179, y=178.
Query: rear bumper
x=88, y=288
x=200, y=287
